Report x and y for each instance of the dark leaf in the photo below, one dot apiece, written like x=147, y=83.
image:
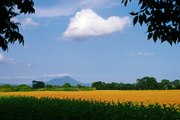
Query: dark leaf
x=141, y=19
x=170, y=42
x=143, y=5
x=140, y=1
x=126, y=2
x=144, y=17
x=155, y=36
x=3, y=43
x=150, y=36
x=122, y=1
x=147, y=12
x=132, y=13
x=135, y=20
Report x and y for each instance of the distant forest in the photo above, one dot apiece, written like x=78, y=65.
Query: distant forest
x=146, y=83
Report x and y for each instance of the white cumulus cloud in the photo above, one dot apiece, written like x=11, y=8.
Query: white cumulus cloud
x=86, y=23
x=28, y=22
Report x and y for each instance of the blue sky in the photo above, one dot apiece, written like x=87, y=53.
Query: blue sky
x=88, y=41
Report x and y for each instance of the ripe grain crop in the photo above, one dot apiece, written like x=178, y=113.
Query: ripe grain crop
x=153, y=96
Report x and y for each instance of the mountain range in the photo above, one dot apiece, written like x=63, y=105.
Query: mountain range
x=60, y=82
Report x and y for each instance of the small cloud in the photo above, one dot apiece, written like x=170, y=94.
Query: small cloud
x=130, y=54
x=28, y=22
x=26, y=46
x=14, y=19
x=58, y=75
x=28, y=65
x=11, y=59
x=86, y=23
x=2, y=58
x=47, y=23
x=140, y=53
x=113, y=44
x=60, y=38
x=149, y=54
x=45, y=75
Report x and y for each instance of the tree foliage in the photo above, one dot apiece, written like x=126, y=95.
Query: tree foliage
x=79, y=86
x=66, y=85
x=48, y=86
x=162, y=18
x=38, y=84
x=176, y=84
x=24, y=87
x=99, y=85
x=145, y=83
x=166, y=83
x=9, y=30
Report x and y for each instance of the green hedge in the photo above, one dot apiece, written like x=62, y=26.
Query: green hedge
x=31, y=108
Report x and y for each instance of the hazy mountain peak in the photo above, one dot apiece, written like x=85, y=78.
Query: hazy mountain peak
x=66, y=79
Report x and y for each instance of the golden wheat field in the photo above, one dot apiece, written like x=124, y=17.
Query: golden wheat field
x=153, y=96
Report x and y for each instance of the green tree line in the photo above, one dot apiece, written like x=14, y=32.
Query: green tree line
x=146, y=83
x=40, y=86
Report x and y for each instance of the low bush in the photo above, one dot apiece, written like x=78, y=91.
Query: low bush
x=24, y=87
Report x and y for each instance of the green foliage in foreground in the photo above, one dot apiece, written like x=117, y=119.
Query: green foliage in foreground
x=31, y=108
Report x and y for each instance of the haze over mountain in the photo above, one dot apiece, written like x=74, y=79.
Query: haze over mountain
x=66, y=79
x=58, y=81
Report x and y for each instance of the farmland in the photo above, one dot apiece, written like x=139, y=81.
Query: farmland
x=153, y=96
x=85, y=105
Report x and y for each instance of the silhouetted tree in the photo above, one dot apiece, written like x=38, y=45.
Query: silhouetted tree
x=9, y=30
x=38, y=84
x=162, y=18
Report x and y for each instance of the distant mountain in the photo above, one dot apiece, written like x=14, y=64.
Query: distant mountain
x=66, y=79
